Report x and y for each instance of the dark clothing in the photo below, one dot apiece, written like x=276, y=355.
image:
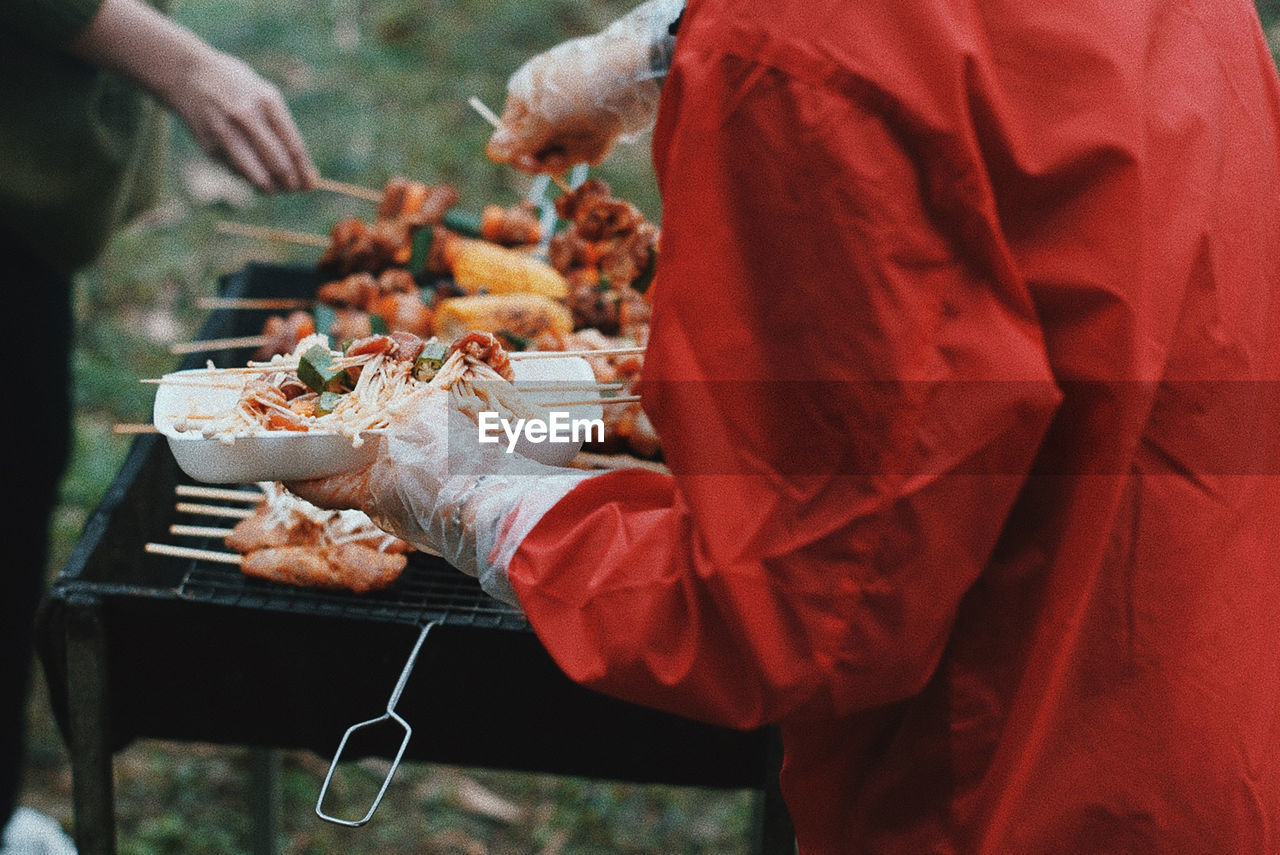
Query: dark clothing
x=40, y=339
x=80, y=148
x=79, y=154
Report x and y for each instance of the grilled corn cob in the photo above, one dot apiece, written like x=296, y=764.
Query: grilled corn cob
x=477, y=265
x=520, y=315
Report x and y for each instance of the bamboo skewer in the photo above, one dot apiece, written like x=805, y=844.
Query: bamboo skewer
x=252, y=303
x=213, y=511
x=493, y=119
x=268, y=233
x=551, y=354
x=210, y=383
x=620, y=399
x=345, y=189
x=131, y=429
x=251, y=368
x=198, y=530
x=553, y=386
x=197, y=554
x=193, y=491
x=483, y=109
x=218, y=344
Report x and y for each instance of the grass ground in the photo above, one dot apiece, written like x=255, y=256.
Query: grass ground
x=378, y=88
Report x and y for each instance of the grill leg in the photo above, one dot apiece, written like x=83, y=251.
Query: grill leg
x=265, y=788
x=88, y=742
x=774, y=832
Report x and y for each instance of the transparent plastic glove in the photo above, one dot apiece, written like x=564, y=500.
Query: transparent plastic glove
x=570, y=104
x=434, y=485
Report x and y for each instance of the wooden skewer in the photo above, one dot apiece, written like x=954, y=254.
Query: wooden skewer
x=251, y=368
x=190, y=381
x=483, y=109
x=194, y=491
x=128, y=429
x=218, y=344
x=233, y=495
x=213, y=531
x=197, y=554
x=213, y=511
x=551, y=354
x=553, y=386
x=620, y=399
x=267, y=233
x=493, y=119
x=251, y=303
x=345, y=189
x=198, y=530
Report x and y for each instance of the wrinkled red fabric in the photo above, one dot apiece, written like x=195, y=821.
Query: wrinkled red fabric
x=964, y=354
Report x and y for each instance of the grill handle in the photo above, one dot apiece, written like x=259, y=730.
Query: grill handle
x=389, y=715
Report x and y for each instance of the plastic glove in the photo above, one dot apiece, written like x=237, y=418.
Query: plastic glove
x=434, y=485
x=570, y=104
x=235, y=115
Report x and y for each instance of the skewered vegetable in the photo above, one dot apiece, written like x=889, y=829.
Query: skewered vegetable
x=524, y=316
x=479, y=266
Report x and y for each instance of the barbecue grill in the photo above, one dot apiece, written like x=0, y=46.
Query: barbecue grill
x=137, y=645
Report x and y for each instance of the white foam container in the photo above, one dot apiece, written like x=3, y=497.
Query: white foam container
x=299, y=456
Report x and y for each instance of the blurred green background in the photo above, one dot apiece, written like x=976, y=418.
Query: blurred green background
x=378, y=88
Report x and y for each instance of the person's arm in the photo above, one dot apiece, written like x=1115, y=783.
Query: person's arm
x=235, y=115
x=851, y=387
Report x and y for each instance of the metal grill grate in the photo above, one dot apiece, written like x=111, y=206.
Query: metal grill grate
x=427, y=590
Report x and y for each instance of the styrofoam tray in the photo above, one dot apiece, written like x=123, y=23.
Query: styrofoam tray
x=299, y=456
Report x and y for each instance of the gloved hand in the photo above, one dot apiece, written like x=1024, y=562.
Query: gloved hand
x=570, y=104
x=434, y=485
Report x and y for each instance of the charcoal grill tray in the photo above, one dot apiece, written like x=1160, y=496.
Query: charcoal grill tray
x=147, y=646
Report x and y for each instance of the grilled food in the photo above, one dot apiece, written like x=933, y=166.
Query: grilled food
x=293, y=542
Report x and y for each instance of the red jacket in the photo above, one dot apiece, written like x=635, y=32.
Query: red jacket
x=964, y=354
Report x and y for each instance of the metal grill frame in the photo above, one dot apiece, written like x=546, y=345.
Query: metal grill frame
x=428, y=590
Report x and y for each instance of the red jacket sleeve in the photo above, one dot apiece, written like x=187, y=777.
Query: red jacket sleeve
x=850, y=386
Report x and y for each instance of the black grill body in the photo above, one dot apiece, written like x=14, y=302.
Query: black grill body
x=137, y=645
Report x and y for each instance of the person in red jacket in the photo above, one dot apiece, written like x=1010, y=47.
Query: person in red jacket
x=964, y=357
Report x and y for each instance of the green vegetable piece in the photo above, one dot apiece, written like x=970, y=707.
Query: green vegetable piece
x=327, y=403
x=325, y=317
x=378, y=325
x=316, y=369
x=430, y=361
x=645, y=279
x=462, y=222
x=422, y=239
x=514, y=340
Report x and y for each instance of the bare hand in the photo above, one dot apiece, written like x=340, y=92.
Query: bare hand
x=243, y=121
x=235, y=115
